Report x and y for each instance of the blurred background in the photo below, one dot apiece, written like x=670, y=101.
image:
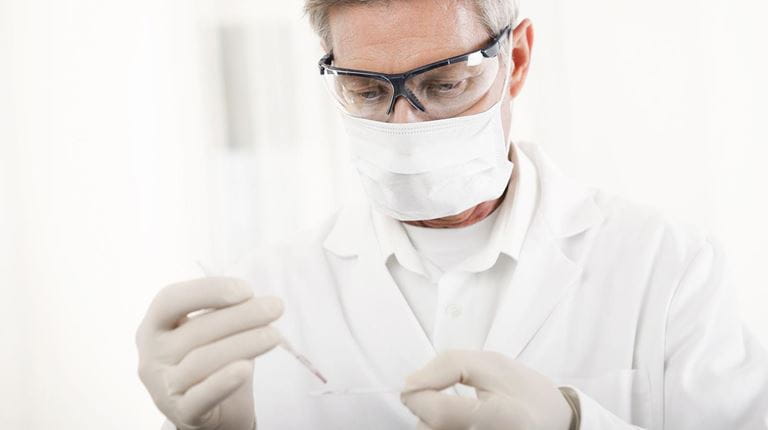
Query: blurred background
x=137, y=137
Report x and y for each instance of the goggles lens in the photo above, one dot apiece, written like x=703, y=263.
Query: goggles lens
x=441, y=92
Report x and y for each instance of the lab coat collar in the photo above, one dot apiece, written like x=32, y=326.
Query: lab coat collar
x=567, y=207
x=516, y=213
x=394, y=243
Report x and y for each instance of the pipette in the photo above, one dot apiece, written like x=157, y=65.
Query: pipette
x=354, y=391
x=303, y=360
x=286, y=345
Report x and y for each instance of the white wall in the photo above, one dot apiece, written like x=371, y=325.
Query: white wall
x=118, y=168
x=102, y=160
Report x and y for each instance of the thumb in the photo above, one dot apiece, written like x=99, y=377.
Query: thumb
x=480, y=369
x=422, y=426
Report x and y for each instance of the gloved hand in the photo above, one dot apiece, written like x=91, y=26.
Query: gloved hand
x=199, y=369
x=509, y=395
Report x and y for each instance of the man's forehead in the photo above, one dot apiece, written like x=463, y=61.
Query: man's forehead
x=396, y=36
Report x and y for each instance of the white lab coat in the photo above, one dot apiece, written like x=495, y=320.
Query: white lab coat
x=607, y=297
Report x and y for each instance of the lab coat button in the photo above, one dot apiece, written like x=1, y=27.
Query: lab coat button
x=453, y=310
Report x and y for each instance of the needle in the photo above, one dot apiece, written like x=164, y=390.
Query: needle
x=285, y=344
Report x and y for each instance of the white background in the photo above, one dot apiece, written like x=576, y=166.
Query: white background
x=137, y=137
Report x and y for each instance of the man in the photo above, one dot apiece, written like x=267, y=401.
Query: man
x=473, y=286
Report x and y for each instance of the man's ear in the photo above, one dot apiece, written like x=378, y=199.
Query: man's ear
x=521, y=55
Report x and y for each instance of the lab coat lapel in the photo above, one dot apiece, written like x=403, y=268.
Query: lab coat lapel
x=542, y=277
x=380, y=319
x=544, y=273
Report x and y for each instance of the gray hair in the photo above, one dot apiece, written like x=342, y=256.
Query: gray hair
x=494, y=14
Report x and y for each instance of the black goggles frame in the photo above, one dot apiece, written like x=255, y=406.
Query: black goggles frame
x=398, y=80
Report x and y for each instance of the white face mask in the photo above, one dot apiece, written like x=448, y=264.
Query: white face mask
x=432, y=169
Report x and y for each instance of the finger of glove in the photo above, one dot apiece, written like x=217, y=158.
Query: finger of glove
x=423, y=426
x=207, y=359
x=479, y=369
x=498, y=411
x=203, y=397
x=442, y=411
x=175, y=301
x=204, y=329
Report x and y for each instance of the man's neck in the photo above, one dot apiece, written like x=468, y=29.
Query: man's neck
x=464, y=219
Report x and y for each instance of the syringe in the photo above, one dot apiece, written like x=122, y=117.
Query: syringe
x=286, y=345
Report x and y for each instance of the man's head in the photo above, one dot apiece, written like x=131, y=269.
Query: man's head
x=494, y=15
x=395, y=36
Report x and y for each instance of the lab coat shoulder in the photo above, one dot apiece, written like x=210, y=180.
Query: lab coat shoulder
x=272, y=268
x=608, y=235
x=670, y=258
x=643, y=238
x=296, y=270
x=640, y=259
x=604, y=222
x=644, y=223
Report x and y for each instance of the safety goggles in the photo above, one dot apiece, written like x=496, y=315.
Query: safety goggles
x=439, y=90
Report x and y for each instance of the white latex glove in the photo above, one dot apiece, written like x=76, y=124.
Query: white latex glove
x=509, y=395
x=199, y=369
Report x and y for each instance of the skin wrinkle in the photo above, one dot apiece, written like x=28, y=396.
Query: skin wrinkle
x=369, y=38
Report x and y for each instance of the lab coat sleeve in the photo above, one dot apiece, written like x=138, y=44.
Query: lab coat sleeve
x=716, y=373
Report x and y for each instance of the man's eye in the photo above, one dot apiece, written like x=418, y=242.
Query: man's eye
x=366, y=95
x=446, y=88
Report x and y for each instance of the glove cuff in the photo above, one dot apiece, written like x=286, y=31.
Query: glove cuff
x=572, y=398
x=254, y=426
